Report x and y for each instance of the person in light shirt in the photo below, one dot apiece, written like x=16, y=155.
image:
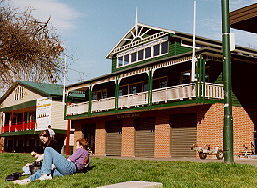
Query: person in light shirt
x=51, y=131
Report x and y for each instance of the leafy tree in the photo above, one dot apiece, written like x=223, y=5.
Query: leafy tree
x=29, y=49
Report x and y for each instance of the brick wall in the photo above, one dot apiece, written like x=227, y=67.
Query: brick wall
x=210, y=126
x=78, y=132
x=209, y=129
x=100, y=137
x=243, y=128
x=128, y=135
x=162, y=135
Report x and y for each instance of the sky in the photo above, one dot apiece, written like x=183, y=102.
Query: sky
x=89, y=29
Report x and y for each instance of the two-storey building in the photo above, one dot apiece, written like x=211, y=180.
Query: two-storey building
x=26, y=109
x=157, y=103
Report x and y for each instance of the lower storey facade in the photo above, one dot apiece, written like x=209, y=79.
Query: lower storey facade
x=28, y=143
x=165, y=133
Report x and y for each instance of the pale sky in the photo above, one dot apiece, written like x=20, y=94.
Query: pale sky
x=89, y=29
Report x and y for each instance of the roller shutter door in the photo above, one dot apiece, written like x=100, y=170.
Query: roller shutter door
x=113, y=138
x=183, y=135
x=144, y=137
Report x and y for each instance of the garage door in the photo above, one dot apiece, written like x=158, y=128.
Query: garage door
x=144, y=141
x=183, y=135
x=113, y=138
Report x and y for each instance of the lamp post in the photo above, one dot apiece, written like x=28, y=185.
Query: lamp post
x=228, y=119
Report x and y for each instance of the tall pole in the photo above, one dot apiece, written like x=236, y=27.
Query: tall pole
x=64, y=80
x=228, y=119
x=193, y=54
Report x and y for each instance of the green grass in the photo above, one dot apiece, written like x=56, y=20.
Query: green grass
x=171, y=174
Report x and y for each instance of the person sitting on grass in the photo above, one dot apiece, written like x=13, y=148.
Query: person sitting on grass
x=27, y=168
x=62, y=165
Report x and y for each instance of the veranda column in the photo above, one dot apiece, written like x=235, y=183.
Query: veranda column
x=90, y=99
x=117, y=85
x=150, y=86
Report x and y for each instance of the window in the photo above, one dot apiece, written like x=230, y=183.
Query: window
x=164, y=47
x=148, y=52
x=132, y=89
x=123, y=90
x=185, y=77
x=126, y=59
x=100, y=94
x=163, y=82
x=120, y=61
x=160, y=82
x=145, y=87
x=156, y=50
x=140, y=55
x=153, y=49
x=18, y=93
x=133, y=57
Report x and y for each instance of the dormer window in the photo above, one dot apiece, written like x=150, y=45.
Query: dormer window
x=18, y=93
x=143, y=52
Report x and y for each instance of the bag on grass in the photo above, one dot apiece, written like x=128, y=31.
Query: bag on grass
x=35, y=166
x=13, y=176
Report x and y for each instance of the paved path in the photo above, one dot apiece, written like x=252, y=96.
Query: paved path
x=237, y=160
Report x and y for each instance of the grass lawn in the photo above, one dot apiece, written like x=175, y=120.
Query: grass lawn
x=109, y=171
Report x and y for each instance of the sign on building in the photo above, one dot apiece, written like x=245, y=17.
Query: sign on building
x=43, y=113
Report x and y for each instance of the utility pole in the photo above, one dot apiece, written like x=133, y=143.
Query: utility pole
x=228, y=119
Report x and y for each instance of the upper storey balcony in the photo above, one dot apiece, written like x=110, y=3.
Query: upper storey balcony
x=18, y=121
x=146, y=88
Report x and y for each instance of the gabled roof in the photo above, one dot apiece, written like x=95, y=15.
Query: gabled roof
x=43, y=88
x=46, y=90
x=138, y=31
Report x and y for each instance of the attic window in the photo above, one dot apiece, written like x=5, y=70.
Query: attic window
x=146, y=51
x=18, y=93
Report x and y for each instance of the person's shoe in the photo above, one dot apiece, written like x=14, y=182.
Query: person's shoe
x=45, y=177
x=22, y=182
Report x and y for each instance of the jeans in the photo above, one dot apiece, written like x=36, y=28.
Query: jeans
x=62, y=165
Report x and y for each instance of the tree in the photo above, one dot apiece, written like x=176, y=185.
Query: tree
x=29, y=49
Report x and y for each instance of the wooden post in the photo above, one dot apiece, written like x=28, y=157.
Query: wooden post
x=67, y=152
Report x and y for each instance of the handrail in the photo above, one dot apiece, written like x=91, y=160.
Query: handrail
x=178, y=92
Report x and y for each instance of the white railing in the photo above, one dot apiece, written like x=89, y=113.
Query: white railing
x=103, y=104
x=130, y=100
x=214, y=91
x=77, y=108
x=179, y=92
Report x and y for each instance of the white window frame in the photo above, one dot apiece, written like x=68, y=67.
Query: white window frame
x=143, y=47
x=18, y=93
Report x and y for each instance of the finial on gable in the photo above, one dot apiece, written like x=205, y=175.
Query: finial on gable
x=136, y=22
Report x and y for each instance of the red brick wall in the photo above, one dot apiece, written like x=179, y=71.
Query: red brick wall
x=78, y=131
x=128, y=135
x=243, y=129
x=210, y=127
x=162, y=135
x=100, y=137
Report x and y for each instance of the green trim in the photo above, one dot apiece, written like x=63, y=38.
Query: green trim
x=90, y=99
x=117, y=86
x=19, y=133
x=150, y=87
x=203, y=67
x=176, y=103
x=57, y=131
x=27, y=104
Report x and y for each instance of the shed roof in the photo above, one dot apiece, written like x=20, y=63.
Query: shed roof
x=245, y=18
